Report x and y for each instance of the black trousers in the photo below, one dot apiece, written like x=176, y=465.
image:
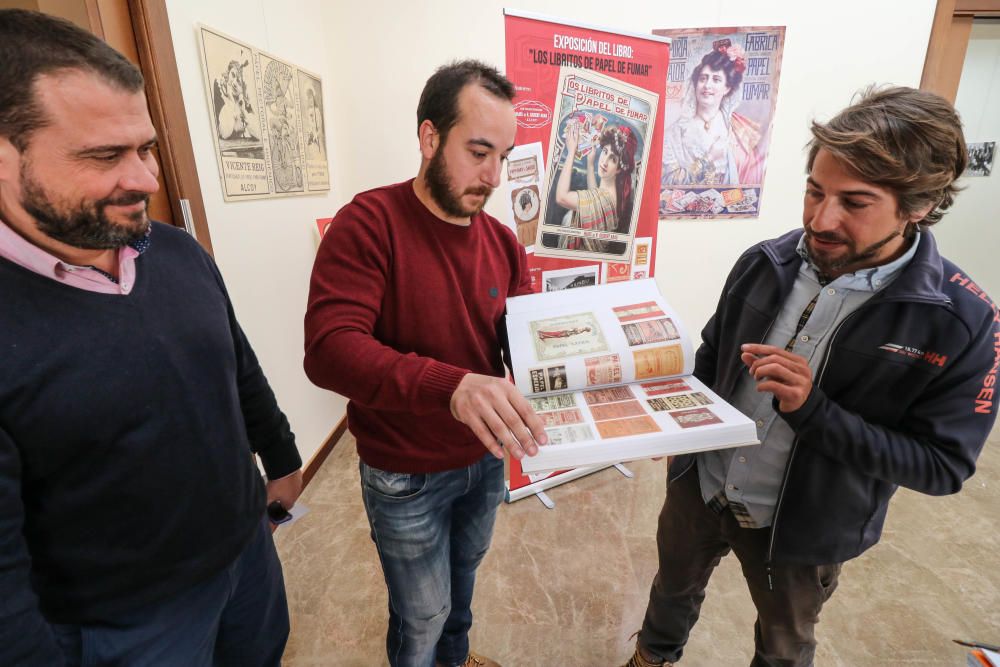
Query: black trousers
x=691, y=540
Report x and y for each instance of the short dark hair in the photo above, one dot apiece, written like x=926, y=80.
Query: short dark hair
x=906, y=140
x=439, y=100
x=34, y=44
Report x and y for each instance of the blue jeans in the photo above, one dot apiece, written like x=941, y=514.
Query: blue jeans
x=238, y=618
x=431, y=531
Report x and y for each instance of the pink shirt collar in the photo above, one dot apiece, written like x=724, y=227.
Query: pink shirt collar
x=14, y=248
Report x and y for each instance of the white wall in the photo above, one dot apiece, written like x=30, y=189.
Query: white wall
x=384, y=54
x=264, y=248
x=374, y=58
x=970, y=233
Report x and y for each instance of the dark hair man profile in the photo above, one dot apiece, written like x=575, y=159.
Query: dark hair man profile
x=404, y=318
x=867, y=361
x=132, y=525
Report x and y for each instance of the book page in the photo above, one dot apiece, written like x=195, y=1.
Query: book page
x=664, y=416
x=673, y=405
x=595, y=337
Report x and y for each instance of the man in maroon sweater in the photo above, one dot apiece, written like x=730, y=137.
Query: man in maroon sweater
x=405, y=315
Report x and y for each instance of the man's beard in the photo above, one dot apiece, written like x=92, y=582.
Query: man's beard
x=86, y=225
x=852, y=257
x=439, y=185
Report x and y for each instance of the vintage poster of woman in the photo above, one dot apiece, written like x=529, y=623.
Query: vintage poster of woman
x=598, y=151
x=722, y=85
x=231, y=88
x=267, y=121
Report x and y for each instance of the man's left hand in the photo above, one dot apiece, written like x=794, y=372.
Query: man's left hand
x=285, y=489
x=779, y=372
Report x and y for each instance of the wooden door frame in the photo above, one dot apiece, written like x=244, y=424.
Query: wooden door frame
x=166, y=105
x=949, y=41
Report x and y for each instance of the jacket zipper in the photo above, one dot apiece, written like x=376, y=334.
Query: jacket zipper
x=817, y=383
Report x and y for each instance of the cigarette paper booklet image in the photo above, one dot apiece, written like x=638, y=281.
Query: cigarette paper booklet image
x=608, y=369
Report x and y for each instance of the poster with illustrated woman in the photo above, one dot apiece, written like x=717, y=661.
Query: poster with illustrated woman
x=598, y=152
x=722, y=85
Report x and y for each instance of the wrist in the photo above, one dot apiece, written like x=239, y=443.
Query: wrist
x=291, y=474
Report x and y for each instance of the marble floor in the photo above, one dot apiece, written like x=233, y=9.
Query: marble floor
x=568, y=586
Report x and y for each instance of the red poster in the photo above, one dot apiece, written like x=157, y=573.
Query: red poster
x=590, y=104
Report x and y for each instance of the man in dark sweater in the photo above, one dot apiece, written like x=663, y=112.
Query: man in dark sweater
x=131, y=510
x=404, y=318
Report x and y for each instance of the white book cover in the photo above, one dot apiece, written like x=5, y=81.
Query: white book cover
x=608, y=369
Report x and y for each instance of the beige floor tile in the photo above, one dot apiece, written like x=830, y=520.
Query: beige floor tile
x=569, y=586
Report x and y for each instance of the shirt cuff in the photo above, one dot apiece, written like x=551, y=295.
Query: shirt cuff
x=277, y=479
x=439, y=383
x=796, y=418
x=281, y=461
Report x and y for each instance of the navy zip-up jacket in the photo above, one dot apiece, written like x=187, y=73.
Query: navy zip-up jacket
x=904, y=397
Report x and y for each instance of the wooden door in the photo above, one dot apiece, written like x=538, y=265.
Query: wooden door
x=949, y=41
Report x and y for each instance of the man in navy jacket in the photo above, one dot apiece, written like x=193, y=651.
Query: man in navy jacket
x=867, y=361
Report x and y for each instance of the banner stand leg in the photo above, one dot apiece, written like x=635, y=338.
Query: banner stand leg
x=538, y=488
x=620, y=467
x=544, y=498
x=534, y=488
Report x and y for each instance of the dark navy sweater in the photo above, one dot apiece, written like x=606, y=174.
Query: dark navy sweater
x=126, y=430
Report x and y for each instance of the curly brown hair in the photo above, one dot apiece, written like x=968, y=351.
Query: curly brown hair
x=906, y=140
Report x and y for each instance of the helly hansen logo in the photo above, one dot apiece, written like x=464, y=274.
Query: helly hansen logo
x=915, y=353
x=986, y=396
x=984, y=400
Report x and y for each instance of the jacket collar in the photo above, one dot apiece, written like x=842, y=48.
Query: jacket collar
x=921, y=279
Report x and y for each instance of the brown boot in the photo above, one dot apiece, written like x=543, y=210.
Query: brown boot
x=639, y=659
x=475, y=660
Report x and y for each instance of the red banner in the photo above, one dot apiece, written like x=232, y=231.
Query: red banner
x=593, y=99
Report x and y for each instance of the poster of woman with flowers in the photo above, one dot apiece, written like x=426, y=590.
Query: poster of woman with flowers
x=598, y=153
x=722, y=86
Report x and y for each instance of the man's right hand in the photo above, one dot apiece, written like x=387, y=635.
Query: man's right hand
x=499, y=415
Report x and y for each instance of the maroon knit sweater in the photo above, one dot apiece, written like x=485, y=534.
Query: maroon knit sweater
x=401, y=306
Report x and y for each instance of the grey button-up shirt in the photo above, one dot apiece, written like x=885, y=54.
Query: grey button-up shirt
x=752, y=475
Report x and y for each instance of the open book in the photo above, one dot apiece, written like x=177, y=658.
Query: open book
x=608, y=369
